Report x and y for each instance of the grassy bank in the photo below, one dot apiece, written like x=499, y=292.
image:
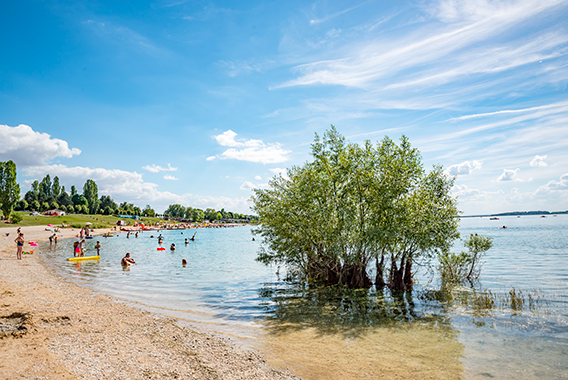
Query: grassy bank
x=74, y=220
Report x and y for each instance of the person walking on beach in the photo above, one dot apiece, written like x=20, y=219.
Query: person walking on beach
x=20, y=244
x=127, y=260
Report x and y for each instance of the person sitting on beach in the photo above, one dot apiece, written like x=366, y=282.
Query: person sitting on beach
x=127, y=260
x=173, y=247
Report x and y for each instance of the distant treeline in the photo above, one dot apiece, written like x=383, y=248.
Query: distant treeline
x=179, y=212
x=520, y=213
x=48, y=194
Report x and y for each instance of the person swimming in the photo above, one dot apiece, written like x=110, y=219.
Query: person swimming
x=173, y=247
x=127, y=260
x=183, y=262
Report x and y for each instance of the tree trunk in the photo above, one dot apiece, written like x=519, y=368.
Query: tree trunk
x=379, y=279
x=408, y=273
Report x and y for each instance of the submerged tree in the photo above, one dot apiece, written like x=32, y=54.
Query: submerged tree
x=328, y=219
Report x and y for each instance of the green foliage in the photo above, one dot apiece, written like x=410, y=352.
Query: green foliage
x=64, y=198
x=148, y=211
x=63, y=208
x=175, y=211
x=55, y=187
x=53, y=205
x=45, y=188
x=44, y=206
x=35, y=206
x=107, y=203
x=91, y=193
x=22, y=205
x=15, y=218
x=9, y=188
x=329, y=218
x=455, y=268
x=70, y=209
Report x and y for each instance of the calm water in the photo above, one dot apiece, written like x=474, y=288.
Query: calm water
x=223, y=289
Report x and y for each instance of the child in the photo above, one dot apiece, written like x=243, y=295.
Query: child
x=98, y=247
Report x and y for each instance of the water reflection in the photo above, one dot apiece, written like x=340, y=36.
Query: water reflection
x=336, y=332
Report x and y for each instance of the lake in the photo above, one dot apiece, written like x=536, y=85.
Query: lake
x=512, y=324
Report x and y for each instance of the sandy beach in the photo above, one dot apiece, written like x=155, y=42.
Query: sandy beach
x=52, y=329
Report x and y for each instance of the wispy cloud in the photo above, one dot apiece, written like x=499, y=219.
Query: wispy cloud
x=170, y=177
x=333, y=15
x=156, y=168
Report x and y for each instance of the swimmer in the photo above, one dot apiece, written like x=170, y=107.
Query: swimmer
x=173, y=247
x=127, y=260
x=186, y=241
x=183, y=262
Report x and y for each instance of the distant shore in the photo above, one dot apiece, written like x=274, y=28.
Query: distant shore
x=516, y=213
x=51, y=328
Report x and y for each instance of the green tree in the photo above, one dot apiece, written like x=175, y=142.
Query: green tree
x=73, y=190
x=70, y=209
x=63, y=208
x=210, y=214
x=53, y=205
x=44, y=206
x=107, y=202
x=76, y=199
x=32, y=195
x=328, y=219
x=55, y=187
x=45, y=187
x=35, y=205
x=148, y=211
x=9, y=188
x=23, y=204
x=91, y=192
x=64, y=199
x=175, y=211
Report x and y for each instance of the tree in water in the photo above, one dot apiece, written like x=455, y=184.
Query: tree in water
x=330, y=218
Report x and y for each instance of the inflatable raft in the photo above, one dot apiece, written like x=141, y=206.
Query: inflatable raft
x=84, y=258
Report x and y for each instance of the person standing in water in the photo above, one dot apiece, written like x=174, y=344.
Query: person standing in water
x=98, y=247
x=20, y=245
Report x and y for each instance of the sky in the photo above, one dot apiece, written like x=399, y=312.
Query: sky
x=199, y=102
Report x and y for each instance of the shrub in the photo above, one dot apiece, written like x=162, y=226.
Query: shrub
x=15, y=218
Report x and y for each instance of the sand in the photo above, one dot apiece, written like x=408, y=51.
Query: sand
x=51, y=328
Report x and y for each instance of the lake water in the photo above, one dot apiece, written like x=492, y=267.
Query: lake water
x=512, y=324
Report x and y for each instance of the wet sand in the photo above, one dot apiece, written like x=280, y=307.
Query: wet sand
x=52, y=329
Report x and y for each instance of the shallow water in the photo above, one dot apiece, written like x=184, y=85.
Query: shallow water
x=323, y=335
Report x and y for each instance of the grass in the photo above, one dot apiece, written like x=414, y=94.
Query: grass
x=74, y=220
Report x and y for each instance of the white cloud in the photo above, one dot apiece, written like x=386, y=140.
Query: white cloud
x=508, y=175
x=170, y=177
x=247, y=186
x=26, y=147
x=464, y=168
x=155, y=168
x=280, y=171
x=257, y=177
x=252, y=150
x=538, y=161
x=553, y=185
x=210, y=158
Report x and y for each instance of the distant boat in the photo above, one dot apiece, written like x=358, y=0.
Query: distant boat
x=554, y=215
x=494, y=218
x=543, y=216
x=518, y=216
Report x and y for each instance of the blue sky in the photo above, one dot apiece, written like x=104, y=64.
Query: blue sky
x=197, y=102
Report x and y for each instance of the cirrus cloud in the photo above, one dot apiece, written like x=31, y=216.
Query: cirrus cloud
x=155, y=168
x=27, y=147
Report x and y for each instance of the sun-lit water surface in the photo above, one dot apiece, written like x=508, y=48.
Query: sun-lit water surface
x=223, y=289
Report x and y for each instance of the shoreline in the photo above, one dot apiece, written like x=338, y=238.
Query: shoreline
x=51, y=328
